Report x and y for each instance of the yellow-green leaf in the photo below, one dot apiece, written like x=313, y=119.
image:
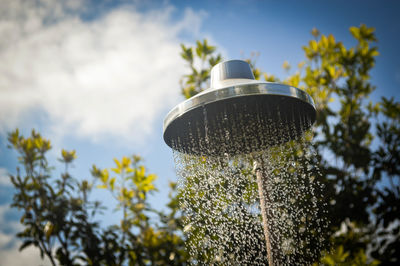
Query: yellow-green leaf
x=48, y=229
x=116, y=170
x=112, y=182
x=96, y=172
x=142, y=195
x=129, y=170
x=140, y=172
x=331, y=71
x=331, y=39
x=355, y=32
x=104, y=175
x=68, y=156
x=39, y=143
x=117, y=163
x=315, y=32
x=314, y=45
x=374, y=52
x=29, y=144
x=125, y=162
x=132, y=255
x=324, y=41
x=286, y=65
x=139, y=206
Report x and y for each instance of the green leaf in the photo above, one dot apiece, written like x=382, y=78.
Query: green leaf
x=96, y=172
x=187, y=54
x=199, y=49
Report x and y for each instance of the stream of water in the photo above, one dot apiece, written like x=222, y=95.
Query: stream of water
x=220, y=200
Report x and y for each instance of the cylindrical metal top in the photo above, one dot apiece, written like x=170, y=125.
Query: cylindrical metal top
x=233, y=70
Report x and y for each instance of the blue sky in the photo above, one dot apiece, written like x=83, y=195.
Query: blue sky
x=99, y=76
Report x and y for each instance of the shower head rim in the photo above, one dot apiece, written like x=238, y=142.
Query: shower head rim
x=241, y=90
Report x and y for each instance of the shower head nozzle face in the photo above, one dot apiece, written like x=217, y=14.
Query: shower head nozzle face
x=242, y=117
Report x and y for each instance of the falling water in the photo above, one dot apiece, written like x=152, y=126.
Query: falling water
x=225, y=224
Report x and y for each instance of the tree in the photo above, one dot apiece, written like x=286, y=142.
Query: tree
x=363, y=180
x=59, y=218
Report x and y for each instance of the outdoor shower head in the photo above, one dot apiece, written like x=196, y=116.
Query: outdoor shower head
x=238, y=114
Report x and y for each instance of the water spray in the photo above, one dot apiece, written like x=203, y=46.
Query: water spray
x=207, y=123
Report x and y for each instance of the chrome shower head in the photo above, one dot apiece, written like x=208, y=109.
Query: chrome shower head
x=238, y=114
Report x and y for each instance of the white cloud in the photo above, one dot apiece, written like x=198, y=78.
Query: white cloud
x=9, y=245
x=4, y=178
x=9, y=248
x=111, y=76
x=13, y=227
x=29, y=256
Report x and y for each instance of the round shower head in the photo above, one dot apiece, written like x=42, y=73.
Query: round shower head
x=238, y=114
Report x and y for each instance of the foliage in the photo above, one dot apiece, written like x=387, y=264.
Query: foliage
x=358, y=177
x=58, y=217
x=339, y=257
x=200, y=64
